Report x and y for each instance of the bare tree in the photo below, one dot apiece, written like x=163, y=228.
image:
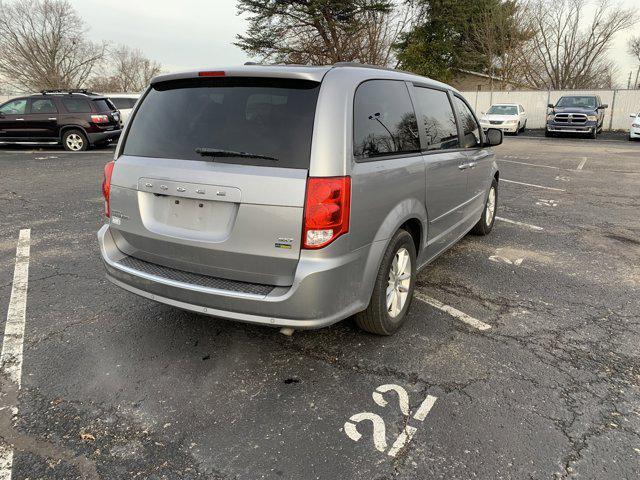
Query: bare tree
x=568, y=50
x=634, y=50
x=380, y=32
x=133, y=70
x=43, y=44
x=501, y=31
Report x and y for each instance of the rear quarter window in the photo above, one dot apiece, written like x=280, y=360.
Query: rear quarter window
x=76, y=105
x=268, y=116
x=384, y=121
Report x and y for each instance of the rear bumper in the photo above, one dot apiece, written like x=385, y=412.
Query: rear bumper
x=324, y=291
x=99, y=137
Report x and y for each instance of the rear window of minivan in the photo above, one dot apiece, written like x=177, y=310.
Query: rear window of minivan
x=270, y=117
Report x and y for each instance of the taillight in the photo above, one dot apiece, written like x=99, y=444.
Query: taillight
x=217, y=73
x=106, y=186
x=326, y=210
x=100, y=118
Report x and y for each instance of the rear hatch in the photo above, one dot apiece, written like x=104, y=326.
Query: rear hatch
x=104, y=106
x=217, y=212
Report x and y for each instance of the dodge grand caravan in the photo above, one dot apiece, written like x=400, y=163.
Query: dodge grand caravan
x=294, y=196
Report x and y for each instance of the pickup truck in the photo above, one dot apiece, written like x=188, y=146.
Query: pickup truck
x=576, y=114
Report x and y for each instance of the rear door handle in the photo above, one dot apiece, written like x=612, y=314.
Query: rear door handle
x=53, y=118
x=464, y=166
x=19, y=119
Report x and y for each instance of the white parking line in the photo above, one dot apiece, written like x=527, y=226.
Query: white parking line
x=530, y=164
x=12, y=344
x=581, y=166
x=532, y=227
x=533, y=185
x=463, y=317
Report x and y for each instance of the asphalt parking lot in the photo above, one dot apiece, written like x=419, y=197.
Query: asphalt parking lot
x=529, y=368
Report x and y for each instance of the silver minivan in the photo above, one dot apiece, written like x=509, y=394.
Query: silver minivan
x=294, y=196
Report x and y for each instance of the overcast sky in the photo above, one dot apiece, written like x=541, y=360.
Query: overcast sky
x=187, y=34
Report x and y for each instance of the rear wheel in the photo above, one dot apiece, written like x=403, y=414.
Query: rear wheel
x=393, y=290
x=488, y=218
x=74, y=141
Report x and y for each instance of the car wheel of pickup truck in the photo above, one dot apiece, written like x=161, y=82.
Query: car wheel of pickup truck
x=547, y=133
x=594, y=134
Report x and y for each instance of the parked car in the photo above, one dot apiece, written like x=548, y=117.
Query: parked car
x=634, y=131
x=294, y=196
x=508, y=117
x=124, y=102
x=75, y=119
x=576, y=114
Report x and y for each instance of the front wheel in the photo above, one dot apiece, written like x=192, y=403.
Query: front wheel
x=594, y=134
x=393, y=290
x=488, y=218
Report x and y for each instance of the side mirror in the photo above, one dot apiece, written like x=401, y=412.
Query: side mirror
x=603, y=106
x=630, y=116
x=482, y=113
x=551, y=105
x=493, y=137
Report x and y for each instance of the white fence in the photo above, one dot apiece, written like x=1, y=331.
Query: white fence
x=622, y=103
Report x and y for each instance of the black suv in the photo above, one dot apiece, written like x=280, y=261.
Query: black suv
x=76, y=118
x=576, y=114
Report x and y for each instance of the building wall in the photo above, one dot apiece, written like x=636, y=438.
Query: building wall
x=622, y=103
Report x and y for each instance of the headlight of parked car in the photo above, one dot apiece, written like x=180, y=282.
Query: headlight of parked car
x=551, y=116
x=592, y=118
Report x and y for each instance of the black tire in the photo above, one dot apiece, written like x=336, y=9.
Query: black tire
x=482, y=227
x=517, y=132
x=547, y=133
x=594, y=135
x=376, y=319
x=75, y=140
x=524, y=127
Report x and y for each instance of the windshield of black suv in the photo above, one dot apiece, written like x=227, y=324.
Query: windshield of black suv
x=503, y=110
x=577, y=102
x=267, y=117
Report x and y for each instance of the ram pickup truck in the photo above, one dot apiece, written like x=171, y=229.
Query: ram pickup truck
x=576, y=114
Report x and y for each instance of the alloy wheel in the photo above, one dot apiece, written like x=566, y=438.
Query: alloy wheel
x=399, y=282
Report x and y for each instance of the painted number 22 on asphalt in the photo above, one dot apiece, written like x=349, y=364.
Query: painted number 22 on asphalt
x=379, y=428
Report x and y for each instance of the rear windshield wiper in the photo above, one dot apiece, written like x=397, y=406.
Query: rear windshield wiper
x=215, y=152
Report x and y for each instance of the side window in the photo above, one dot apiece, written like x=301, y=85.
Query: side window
x=16, y=107
x=384, y=121
x=521, y=109
x=470, y=128
x=43, y=105
x=76, y=105
x=434, y=110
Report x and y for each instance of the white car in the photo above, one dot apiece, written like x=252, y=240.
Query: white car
x=124, y=102
x=634, y=131
x=508, y=117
